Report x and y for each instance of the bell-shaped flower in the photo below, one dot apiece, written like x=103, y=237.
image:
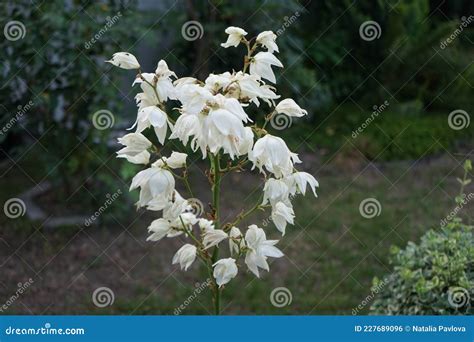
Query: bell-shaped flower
x=235, y=36
x=267, y=39
x=236, y=241
x=259, y=248
x=272, y=153
x=164, y=86
x=154, y=183
x=205, y=225
x=185, y=256
x=224, y=271
x=281, y=215
x=212, y=237
x=124, y=60
x=216, y=82
x=175, y=161
x=158, y=229
x=135, y=150
x=298, y=181
x=261, y=65
x=274, y=191
x=153, y=116
x=290, y=108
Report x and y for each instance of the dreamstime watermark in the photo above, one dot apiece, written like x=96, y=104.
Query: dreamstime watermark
x=465, y=22
x=465, y=199
x=21, y=110
x=110, y=199
x=199, y=288
x=287, y=22
x=370, y=30
x=22, y=287
x=46, y=330
x=459, y=119
x=103, y=119
x=196, y=206
x=103, y=296
x=109, y=22
x=280, y=121
x=377, y=111
x=14, y=30
x=14, y=208
x=192, y=30
x=370, y=208
x=280, y=297
x=374, y=291
x=458, y=297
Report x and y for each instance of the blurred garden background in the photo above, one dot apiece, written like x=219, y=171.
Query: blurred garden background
x=388, y=86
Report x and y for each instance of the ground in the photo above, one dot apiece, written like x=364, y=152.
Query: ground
x=332, y=252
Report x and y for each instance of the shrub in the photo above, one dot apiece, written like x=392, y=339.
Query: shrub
x=434, y=277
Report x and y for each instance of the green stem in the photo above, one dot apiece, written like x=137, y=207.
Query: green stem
x=215, y=203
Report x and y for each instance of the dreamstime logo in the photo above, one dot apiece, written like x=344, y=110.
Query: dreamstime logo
x=14, y=30
x=197, y=207
x=370, y=208
x=280, y=297
x=199, y=288
x=458, y=297
x=14, y=208
x=464, y=200
x=370, y=30
x=459, y=119
x=280, y=121
x=465, y=22
x=108, y=24
x=377, y=111
x=103, y=119
x=102, y=297
x=21, y=110
x=287, y=22
x=192, y=30
x=110, y=199
x=22, y=287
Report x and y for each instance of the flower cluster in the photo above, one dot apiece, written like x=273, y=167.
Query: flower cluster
x=210, y=117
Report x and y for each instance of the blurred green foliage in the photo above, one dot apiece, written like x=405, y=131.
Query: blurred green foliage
x=59, y=66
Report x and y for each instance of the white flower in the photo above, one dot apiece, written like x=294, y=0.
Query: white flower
x=135, y=150
x=235, y=36
x=155, y=184
x=297, y=183
x=164, y=85
x=281, y=215
x=155, y=117
x=274, y=191
x=261, y=65
x=205, y=225
x=267, y=39
x=212, y=237
x=216, y=82
x=250, y=88
x=220, y=128
x=224, y=271
x=185, y=256
x=245, y=145
x=236, y=241
x=175, y=161
x=290, y=108
x=272, y=152
x=124, y=60
x=259, y=249
x=159, y=229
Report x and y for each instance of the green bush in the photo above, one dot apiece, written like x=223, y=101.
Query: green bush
x=434, y=277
